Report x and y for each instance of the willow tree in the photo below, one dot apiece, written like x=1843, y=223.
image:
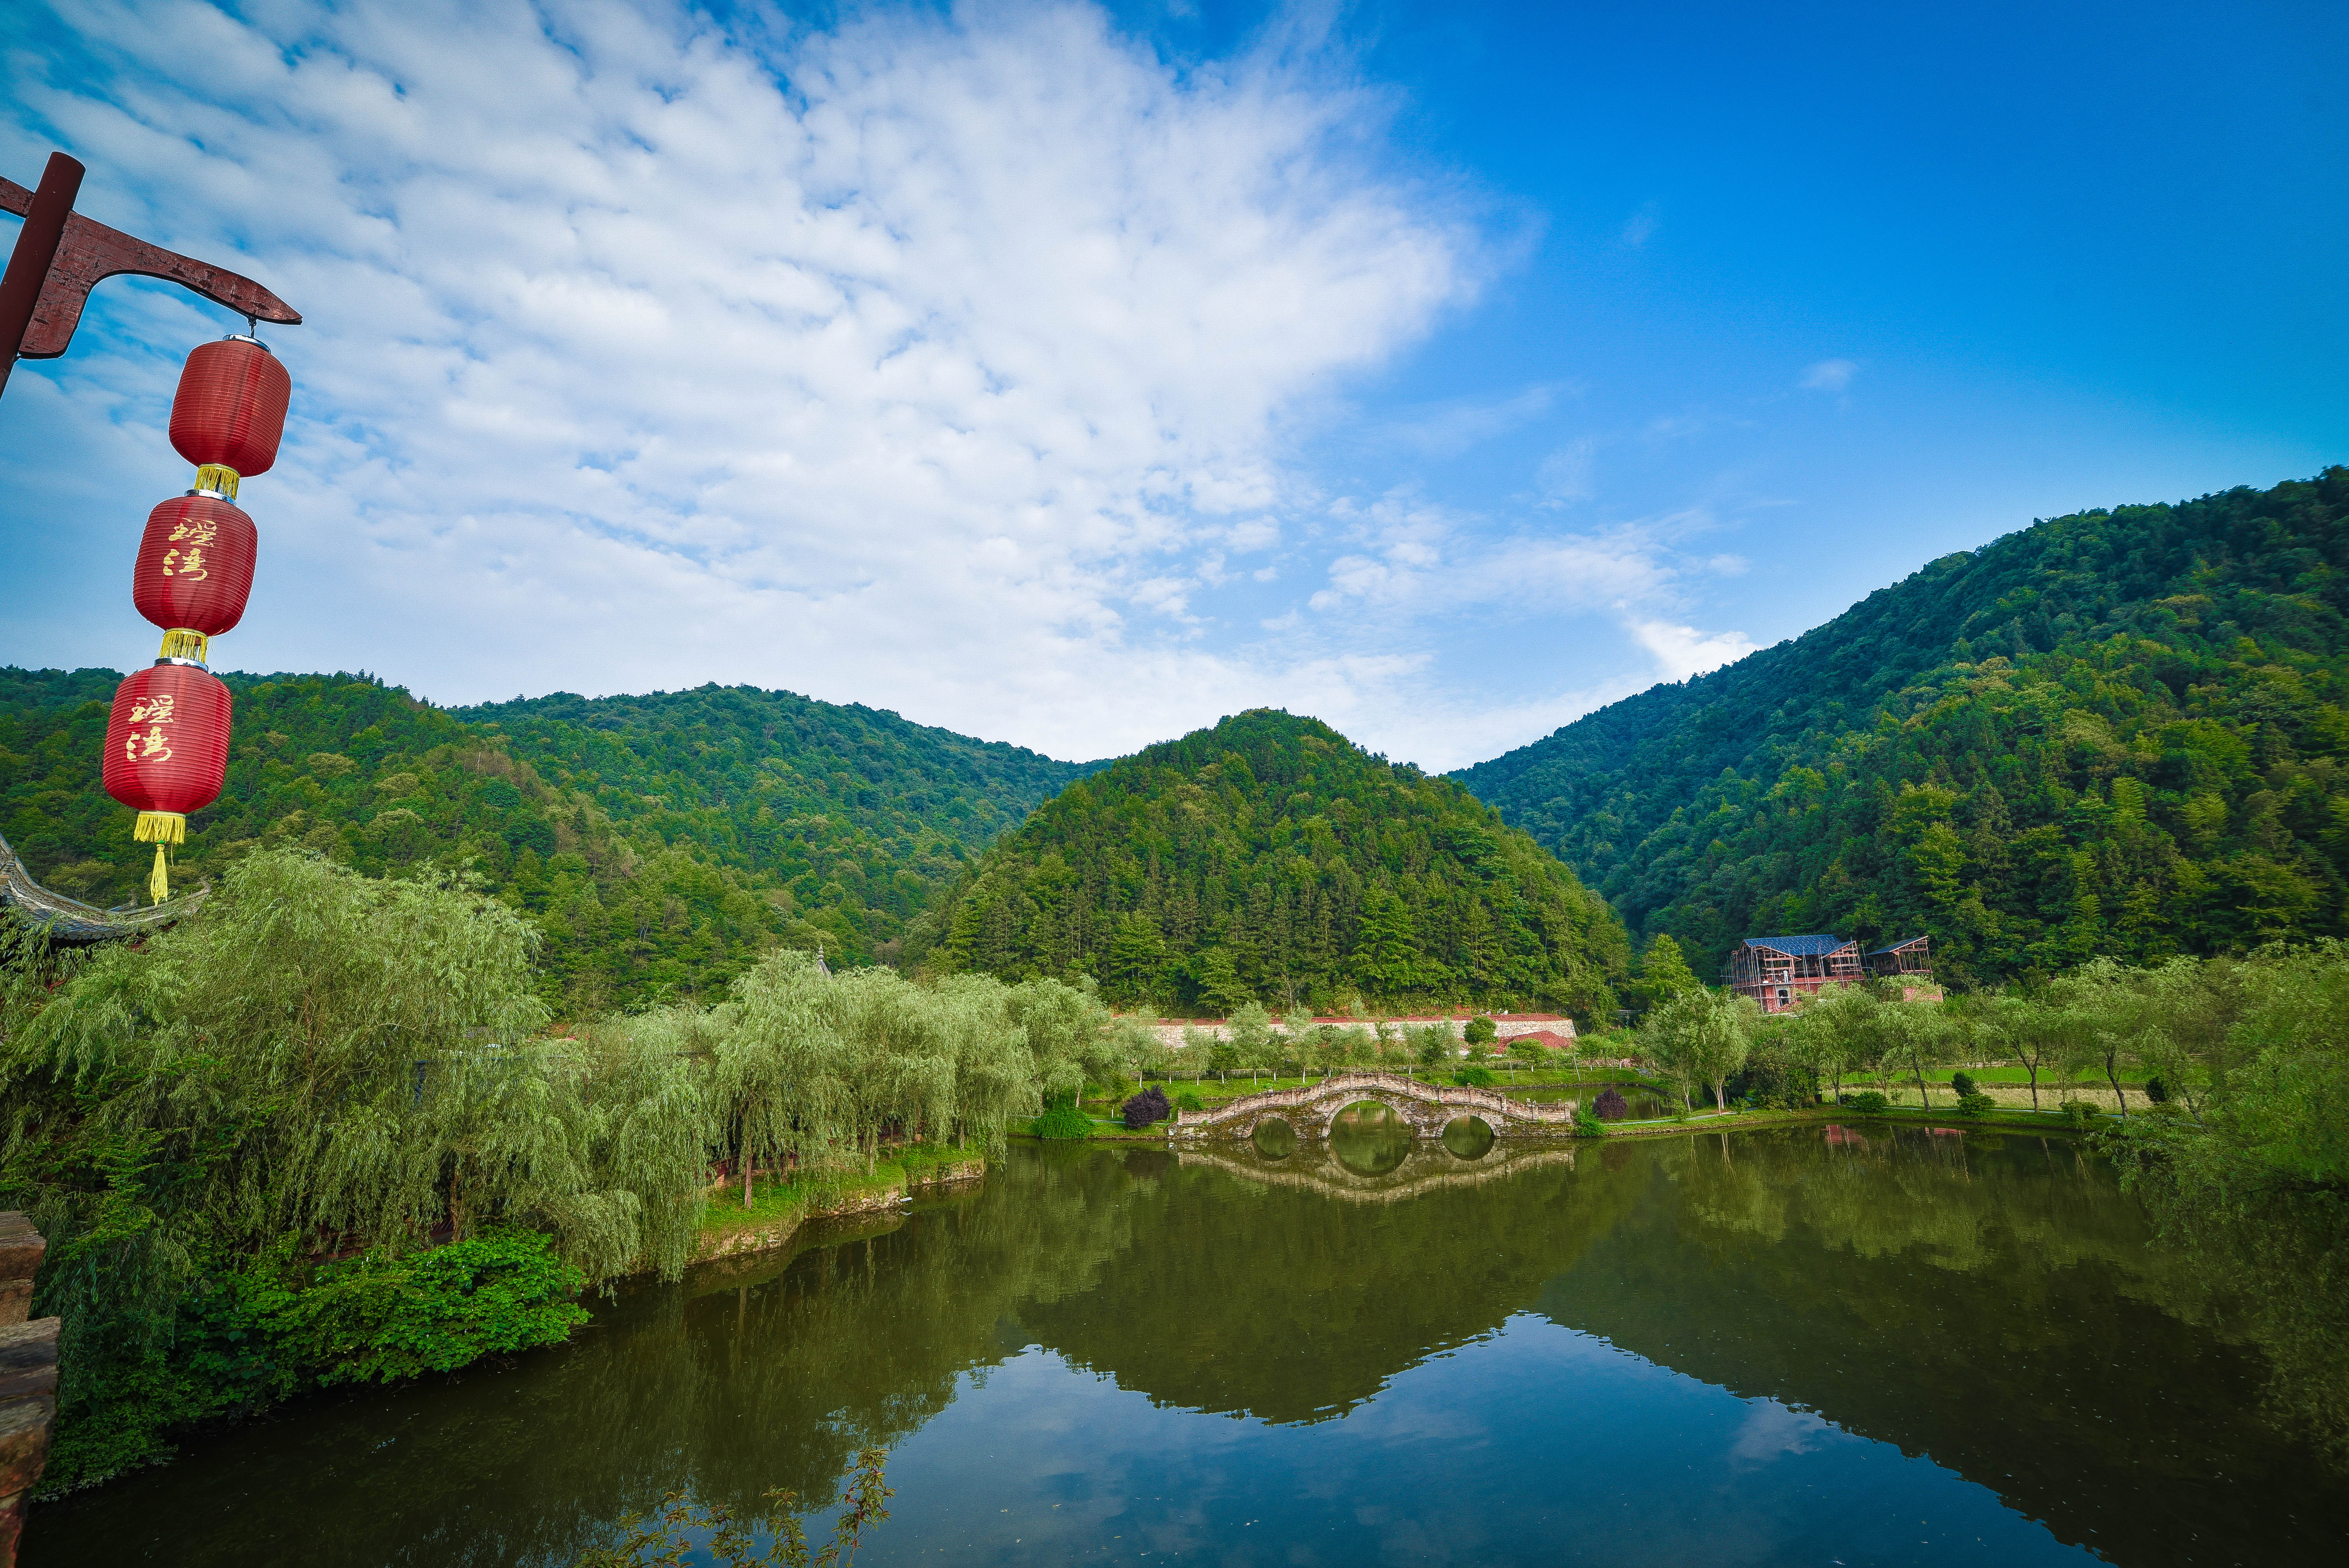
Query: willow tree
x=1833, y=1032
x=1701, y=1036
x=810, y=1068
x=316, y=1065
x=336, y=1063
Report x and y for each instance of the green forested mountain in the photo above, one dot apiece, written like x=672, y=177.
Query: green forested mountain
x=656, y=841
x=1270, y=858
x=2119, y=732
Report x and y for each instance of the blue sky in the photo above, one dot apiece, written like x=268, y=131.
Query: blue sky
x=1076, y=376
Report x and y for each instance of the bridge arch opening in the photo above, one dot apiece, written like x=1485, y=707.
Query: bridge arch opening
x=1274, y=1138
x=1370, y=1138
x=1468, y=1137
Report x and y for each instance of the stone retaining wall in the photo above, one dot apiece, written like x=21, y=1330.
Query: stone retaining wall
x=28, y=1377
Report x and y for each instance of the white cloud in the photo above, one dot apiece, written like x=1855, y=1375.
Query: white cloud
x=1829, y=375
x=919, y=381
x=1642, y=225
x=1446, y=429
x=1565, y=476
x=1680, y=652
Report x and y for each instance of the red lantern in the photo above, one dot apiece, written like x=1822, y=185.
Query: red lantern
x=167, y=752
x=193, y=572
x=230, y=412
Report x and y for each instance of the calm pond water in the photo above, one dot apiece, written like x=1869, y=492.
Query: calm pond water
x=1794, y=1347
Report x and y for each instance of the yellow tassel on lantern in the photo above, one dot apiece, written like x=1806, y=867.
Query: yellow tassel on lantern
x=159, y=829
x=219, y=479
x=183, y=643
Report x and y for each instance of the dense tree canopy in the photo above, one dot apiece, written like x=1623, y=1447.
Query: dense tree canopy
x=1270, y=858
x=657, y=843
x=2118, y=732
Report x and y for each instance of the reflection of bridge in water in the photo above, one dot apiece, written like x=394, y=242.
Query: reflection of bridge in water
x=1426, y=1106
x=1429, y=1167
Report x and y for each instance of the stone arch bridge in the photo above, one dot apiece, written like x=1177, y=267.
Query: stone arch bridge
x=1426, y=1106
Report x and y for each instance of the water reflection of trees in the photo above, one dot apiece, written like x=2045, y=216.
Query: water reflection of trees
x=1993, y=1303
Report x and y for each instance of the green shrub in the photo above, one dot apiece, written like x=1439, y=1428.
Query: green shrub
x=2082, y=1112
x=1479, y=1031
x=1868, y=1102
x=1474, y=1077
x=1962, y=1085
x=243, y=1341
x=2155, y=1090
x=1063, y=1122
x=378, y=1320
x=1976, y=1104
x=1587, y=1125
x=1189, y=1100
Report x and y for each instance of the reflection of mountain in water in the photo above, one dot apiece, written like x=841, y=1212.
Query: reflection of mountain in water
x=1993, y=1305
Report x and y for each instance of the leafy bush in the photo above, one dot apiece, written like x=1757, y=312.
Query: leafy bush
x=1962, y=1085
x=1480, y=1031
x=1063, y=1122
x=1769, y=1078
x=1146, y=1109
x=1976, y=1105
x=2082, y=1111
x=378, y=1320
x=1189, y=1100
x=243, y=1341
x=2155, y=1090
x=1868, y=1102
x=1474, y=1077
x=1610, y=1105
x=1586, y=1124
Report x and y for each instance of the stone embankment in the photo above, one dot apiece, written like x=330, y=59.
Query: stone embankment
x=28, y=1377
x=753, y=1235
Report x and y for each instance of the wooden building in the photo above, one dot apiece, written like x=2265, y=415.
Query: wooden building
x=1779, y=971
x=1908, y=964
x=1900, y=960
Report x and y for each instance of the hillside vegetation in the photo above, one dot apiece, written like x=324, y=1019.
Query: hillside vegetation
x=2114, y=733
x=1270, y=859
x=657, y=843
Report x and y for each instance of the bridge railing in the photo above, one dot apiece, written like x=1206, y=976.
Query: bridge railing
x=1466, y=1095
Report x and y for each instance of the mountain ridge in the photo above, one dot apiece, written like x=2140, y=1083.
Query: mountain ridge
x=1268, y=858
x=658, y=841
x=2009, y=685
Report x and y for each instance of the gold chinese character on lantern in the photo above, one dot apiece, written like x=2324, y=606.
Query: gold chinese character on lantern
x=136, y=746
x=154, y=710
x=198, y=532
x=190, y=564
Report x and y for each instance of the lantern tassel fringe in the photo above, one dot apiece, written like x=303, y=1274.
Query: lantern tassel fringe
x=184, y=643
x=161, y=828
x=218, y=479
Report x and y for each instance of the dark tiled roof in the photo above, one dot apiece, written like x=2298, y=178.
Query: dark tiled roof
x=1895, y=947
x=1798, y=946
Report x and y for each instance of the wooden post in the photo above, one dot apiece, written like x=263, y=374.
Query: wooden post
x=28, y=1377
